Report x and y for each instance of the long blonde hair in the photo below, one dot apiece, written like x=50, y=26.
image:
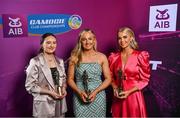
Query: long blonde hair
x=76, y=54
x=133, y=43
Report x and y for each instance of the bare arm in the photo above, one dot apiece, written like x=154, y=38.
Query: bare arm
x=106, y=82
x=106, y=73
x=72, y=83
x=70, y=79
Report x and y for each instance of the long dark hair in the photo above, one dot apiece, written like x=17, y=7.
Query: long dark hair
x=43, y=37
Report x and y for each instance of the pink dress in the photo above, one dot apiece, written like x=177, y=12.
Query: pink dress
x=137, y=73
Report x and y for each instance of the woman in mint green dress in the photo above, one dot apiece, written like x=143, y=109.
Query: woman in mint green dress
x=86, y=66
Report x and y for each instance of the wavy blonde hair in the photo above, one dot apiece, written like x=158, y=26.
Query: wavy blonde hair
x=76, y=54
x=133, y=43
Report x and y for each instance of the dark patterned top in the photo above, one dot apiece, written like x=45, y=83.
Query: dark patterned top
x=55, y=74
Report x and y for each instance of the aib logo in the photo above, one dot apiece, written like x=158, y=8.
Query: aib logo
x=163, y=18
x=14, y=26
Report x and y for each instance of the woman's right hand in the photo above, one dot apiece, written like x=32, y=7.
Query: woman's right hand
x=83, y=95
x=115, y=91
x=55, y=95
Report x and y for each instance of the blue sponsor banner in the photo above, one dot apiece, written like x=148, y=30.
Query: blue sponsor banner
x=53, y=23
x=0, y=22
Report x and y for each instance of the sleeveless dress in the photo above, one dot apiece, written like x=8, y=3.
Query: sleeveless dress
x=97, y=108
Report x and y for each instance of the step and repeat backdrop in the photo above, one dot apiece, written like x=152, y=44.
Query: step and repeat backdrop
x=156, y=24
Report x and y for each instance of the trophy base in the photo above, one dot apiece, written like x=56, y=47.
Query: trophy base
x=59, y=89
x=88, y=92
x=87, y=101
x=120, y=89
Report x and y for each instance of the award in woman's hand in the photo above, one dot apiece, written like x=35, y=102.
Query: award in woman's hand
x=85, y=85
x=59, y=83
x=121, y=77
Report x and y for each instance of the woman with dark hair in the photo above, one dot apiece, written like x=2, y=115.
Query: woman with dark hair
x=46, y=80
x=130, y=71
x=86, y=66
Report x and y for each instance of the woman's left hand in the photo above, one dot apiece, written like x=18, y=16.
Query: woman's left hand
x=124, y=94
x=92, y=96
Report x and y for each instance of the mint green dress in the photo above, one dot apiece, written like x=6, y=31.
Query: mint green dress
x=98, y=107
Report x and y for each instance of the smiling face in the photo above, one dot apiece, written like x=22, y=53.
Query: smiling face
x=124, y=39
x=87, y=40
x=49, y=45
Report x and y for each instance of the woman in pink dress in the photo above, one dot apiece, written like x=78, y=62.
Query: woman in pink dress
x=130, y=71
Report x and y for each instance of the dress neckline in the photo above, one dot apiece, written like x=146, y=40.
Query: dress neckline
x=89, y=63
x=124, y=64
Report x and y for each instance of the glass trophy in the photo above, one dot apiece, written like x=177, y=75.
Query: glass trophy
x=121, y=77
x=85, y=85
